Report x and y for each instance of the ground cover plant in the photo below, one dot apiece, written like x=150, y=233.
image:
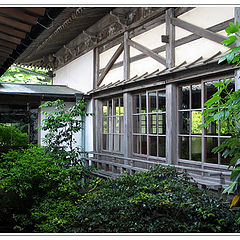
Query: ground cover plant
x=159, y=200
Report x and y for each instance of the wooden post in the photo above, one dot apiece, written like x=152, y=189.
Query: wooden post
x=126, y=57
x=171, y=124
x=95, y=67
x=127, y=138
x=98, y=125
x=237, y=72
x=170, y=46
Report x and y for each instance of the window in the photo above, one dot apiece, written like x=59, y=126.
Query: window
x=196, y=144
x=112, y=129
x=149, y=123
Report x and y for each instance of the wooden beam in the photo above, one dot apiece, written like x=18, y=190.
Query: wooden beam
x=179, y=42
x=170, y=46
x=147, y=51
x=36, y=10
x=95, y=67
x=8, y=44
x=16, y=24
x=6, y=50
x=12, y=31
x=198, y=30
x=126, y=57
x=10, y=38
x=18, y=14
x=110, y=63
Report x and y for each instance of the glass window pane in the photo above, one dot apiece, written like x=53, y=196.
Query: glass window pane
x=153, y=146
x=162, y=146
x=136, y=106
x=211, y=143
x=196, y=96
x=110, y=129
x=121, y=124
x=143, y=144
x=116, y=106
x=105, y=125
x=143, y=103
x=136, y=124
x=162, y=123
x=184, y=97
x=143, y=123
x=224, y=161
x=212, y=128
x=196, y=122
x=105, y=145
x=121, y=106
x=196, y=149
x=136, y=144
x=105, y=109
x=224, y=126
x=110, y=107
x=184, y=147
x=116, y=142
x=210, y=89
x=152, y=102
x=184, y=119
x=116, y=124
x=161, y=101
x=153, y=123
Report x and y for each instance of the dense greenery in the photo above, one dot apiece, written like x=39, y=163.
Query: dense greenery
x=25, y=75
x=12, y=136
x=160, y=200
x=224, y=106
x=32, y=178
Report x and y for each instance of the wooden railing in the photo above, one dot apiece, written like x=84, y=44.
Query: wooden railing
x=113, y=165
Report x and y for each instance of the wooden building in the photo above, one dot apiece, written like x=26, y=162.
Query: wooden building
x=146, y=73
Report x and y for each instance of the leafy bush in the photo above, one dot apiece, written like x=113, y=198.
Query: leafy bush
x=31, y=177
x=160, y=200
x=10, y=135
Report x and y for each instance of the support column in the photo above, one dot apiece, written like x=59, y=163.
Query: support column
x=171, y=124
x=127, y=138
x=95, y=67
x=98, y=125
x=126, y=57
x=170, y=32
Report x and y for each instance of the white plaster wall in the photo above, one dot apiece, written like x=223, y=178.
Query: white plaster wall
x=77, y=136
x=78, y=74
x=89, y=128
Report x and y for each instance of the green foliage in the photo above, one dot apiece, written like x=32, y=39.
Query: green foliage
x=61, y=125
x=25, y=75
x=159, y=200
x=11, y=135
x=35, y=178
x=224, y=106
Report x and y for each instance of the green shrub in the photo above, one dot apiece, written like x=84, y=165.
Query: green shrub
x=10, y=135
x=160, y=200
x=32, y=177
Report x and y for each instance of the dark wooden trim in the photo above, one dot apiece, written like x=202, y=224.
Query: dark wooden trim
x=179, y=42
x=10, y=38
x=19, y=15
x=126, y=57
x=147, y=51
x=110, y=63
x=40, y=11
x=12, y=31
x=16, y=24
x=178, y=76
x=198, y=30
x=170, y=32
